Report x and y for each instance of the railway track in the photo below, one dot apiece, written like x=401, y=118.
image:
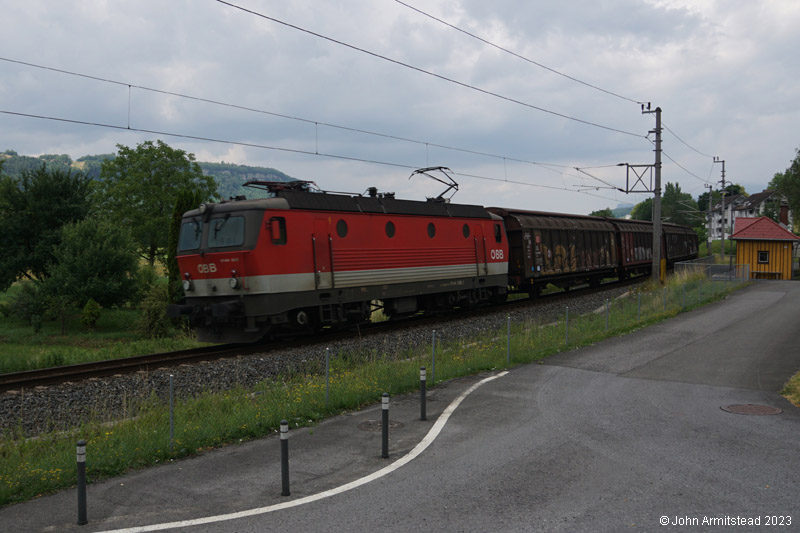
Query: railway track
x=61, y=374
x=50, y=376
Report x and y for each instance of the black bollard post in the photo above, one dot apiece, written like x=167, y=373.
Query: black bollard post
x=385, y=424
x=284, y=458
x=81, y=453
x=422, y=393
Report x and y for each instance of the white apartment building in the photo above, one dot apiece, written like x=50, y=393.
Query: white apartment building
x=740, y=206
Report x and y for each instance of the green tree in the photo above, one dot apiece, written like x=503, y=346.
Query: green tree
x=33, y=209
x=96, y=260
x=643, y=210
x=732, y=189
x=602, y=213
x=788, y=183
x=140, y=186
x=676, y=207
x=679, y=207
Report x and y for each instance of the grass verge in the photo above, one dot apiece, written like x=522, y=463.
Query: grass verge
x=114, y=337
x=791, y=391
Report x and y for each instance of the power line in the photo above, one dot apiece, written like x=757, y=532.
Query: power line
x=429, y=73
x=267, y=147
x=684, y=142
x=692, y=174
x=540, y=65
x=281, y=115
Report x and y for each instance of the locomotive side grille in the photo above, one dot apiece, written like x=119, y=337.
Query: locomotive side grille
x=381, y=259
x=402, y=275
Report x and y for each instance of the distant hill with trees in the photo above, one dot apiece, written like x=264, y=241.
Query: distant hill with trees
x=618, y=212
x=229, y=177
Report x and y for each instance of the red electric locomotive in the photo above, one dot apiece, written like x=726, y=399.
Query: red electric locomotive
x=304, y=259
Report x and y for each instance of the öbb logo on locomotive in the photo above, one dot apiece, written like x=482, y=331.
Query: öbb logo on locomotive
x=303, y=259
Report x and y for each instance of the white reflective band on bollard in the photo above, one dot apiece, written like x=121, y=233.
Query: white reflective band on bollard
x=284, y=430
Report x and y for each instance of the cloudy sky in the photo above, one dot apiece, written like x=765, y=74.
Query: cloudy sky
x=356, y=93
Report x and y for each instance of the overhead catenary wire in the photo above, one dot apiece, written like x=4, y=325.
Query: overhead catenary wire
x=684, y=142
x=554, y=71
x=279, y=115
x=551, y=167
x=429, y=73
x=506, y=50
x=441, y=146
x=692, y=174
x=275, y=148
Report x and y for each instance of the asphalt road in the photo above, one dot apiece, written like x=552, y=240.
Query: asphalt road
x=618, y=436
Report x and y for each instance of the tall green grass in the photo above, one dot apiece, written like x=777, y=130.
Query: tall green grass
x=115, y=336
x=33, y=466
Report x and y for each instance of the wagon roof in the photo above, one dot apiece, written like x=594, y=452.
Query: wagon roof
x=542, y=219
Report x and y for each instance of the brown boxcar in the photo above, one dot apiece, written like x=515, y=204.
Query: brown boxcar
x=555, y=248
x=635, y=246
x=679, y=243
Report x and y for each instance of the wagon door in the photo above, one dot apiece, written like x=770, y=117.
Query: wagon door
x=321, y=240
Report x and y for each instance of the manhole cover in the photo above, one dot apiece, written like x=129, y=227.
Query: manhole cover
x=375, y=425
x=751, y=409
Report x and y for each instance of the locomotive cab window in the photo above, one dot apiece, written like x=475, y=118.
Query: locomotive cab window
x=498, y=233
x=277, y=230
x=226, y=231
x=341, y=229
x=191, y=233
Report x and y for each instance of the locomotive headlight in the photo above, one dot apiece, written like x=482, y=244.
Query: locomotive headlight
x=233, y=282
x=187, y=282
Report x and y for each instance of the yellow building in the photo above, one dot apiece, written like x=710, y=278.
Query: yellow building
x=766, y=246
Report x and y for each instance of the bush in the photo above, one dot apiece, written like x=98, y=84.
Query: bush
x=90, y=314
x=146, y=279
x=96, y=259
x=153, y=321
x=30, y=304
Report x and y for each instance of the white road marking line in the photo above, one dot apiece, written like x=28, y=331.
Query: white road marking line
x=410, y=456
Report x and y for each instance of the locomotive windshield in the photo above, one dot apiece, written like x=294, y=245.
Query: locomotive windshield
x=191, y=233
x=222, y=232
x=226, y=231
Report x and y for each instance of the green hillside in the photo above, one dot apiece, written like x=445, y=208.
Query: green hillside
x=230, y=177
